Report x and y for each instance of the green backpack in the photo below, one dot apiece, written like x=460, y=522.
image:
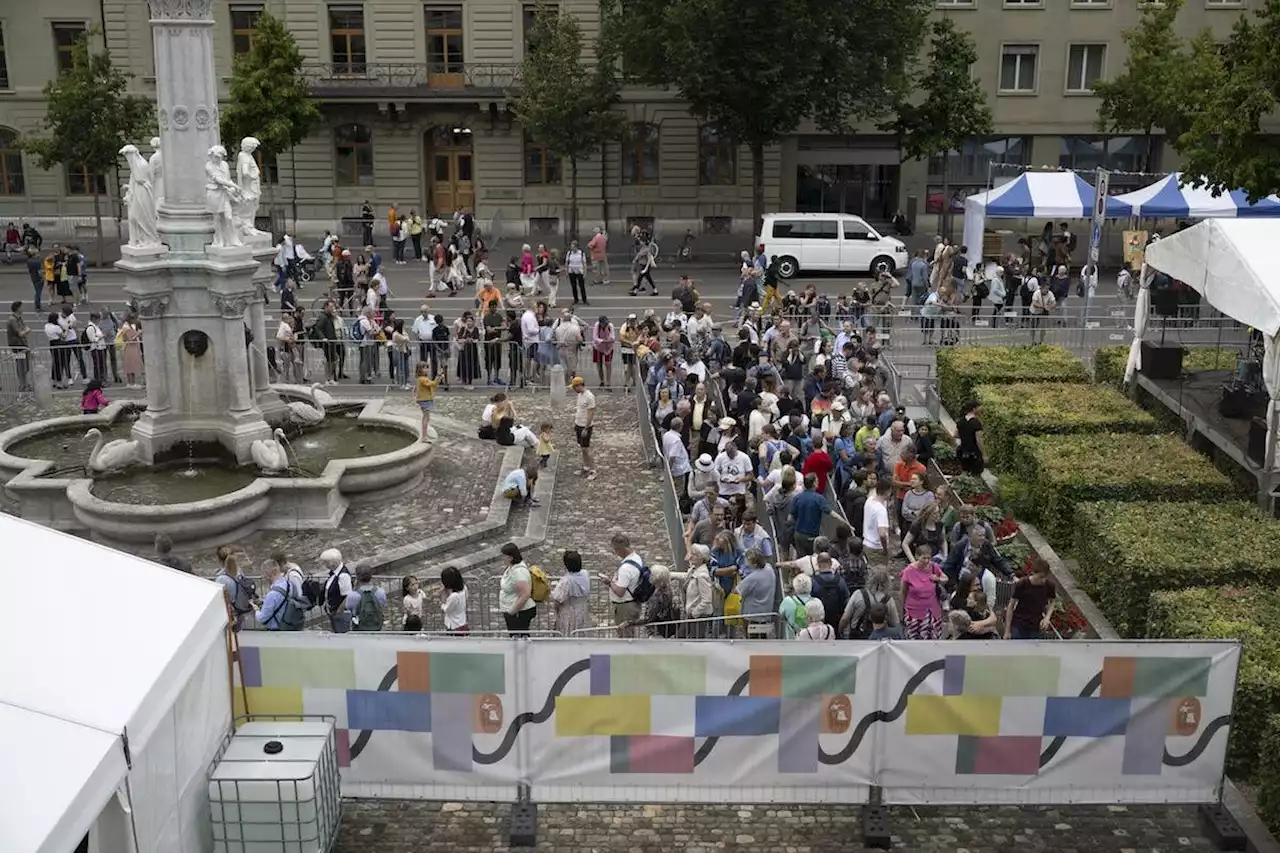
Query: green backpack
x=799, y=617
x=368, y=612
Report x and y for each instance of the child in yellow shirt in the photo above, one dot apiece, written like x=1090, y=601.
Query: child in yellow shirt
x=544, y=443
x=426, y=396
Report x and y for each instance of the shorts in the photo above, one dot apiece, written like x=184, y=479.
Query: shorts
x=531, y=352
x=426, y=405
x=628, y=356
x=583, y=434
x=598, y=357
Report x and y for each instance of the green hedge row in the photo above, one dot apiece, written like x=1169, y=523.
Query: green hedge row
x=1127, y=551
x=1109, y=362
x=962, y=369
x=1063, y=470
x=1251, y=614
x=1053, y=408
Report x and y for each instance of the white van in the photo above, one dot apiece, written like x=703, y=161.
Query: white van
x=828, y=242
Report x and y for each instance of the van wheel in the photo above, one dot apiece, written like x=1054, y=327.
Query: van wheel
x=788, y=267
x=883, y=263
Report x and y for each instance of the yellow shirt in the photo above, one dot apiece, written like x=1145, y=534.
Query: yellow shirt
x=415, y=225
x=544, y=445
x=392, y=216
x=426, y=388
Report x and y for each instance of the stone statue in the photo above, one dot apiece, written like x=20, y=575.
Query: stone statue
x=249, y=178
x=143, y=230
x=157, y=172
x=221, y=196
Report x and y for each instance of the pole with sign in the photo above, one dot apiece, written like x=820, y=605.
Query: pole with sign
x=1101, y=192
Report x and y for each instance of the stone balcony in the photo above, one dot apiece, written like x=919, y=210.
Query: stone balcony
x=410, y=80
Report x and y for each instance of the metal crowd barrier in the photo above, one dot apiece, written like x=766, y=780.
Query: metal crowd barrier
x=763, y=626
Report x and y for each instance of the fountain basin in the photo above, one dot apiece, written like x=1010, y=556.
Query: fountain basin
x=37, y=489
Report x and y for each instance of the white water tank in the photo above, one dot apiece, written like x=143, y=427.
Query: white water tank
x=275, y=789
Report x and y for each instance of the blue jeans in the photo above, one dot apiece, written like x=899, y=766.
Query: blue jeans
x=38, y=287
x=1020, y=633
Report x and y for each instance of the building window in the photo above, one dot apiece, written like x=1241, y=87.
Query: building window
x=244, y=28
x=529, y=16
x=4, y=62
x=717, y=158
x=268, y=166
x=65, y=36
x=974, y=161
x=1085, y=65
x=11, y=178
x=640, y=154
x=1090, y=4
x=1224, y=4
x=353, y=156
x=955, y=4
x=541, y=165
x=346, y=39
x=444, y=40
x=1018, y=67
x=1120, y=153
x=80, y=181
x=1024, y=4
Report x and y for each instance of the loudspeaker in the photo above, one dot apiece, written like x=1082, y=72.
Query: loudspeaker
x=523, y=829
x=1161, y=362
x=875, y=828
x=1222, y=829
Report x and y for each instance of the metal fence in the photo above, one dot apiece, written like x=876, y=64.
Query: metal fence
x=19, y=369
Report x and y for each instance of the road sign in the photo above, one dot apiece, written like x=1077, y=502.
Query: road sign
x=1102, y=191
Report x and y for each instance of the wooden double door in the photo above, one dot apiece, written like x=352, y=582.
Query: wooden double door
x=451, y=176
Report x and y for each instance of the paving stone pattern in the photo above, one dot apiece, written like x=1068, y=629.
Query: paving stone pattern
x=396, y=826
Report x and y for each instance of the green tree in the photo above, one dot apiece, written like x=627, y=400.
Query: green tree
x=269, y=99
x=1148, y=93
x=948, y=107
x=1230, y=90
x=89, y=117
x=564, y=101
x=756, y=69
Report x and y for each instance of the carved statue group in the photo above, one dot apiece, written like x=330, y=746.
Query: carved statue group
x=233, y=203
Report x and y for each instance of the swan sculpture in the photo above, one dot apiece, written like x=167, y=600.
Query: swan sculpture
x=271, y=456
x=108, y=456
x=308, y=413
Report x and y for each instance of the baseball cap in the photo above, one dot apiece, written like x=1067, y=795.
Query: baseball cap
x=576, y=381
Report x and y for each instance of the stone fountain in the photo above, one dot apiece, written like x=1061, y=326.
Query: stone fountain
x=194, y=266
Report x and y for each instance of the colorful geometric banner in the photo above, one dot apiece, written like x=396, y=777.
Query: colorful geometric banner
x=668, y=721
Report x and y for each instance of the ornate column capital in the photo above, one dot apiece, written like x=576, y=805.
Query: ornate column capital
x=151, y=307
x=181, y=10
x=233, y=305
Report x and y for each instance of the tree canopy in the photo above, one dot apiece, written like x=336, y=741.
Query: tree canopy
x=755, y=70
x=89, y=117
x=268, y=99
x=565, y=102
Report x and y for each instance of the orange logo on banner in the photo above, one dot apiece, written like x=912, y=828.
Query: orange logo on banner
x=839, y=714
x=1186, y=717
x=488, y=714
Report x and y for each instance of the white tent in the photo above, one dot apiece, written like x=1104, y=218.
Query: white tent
x=114, y=697
x=1229, y=262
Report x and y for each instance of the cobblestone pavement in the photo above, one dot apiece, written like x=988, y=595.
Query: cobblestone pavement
x=625, y=497
x=396, y=826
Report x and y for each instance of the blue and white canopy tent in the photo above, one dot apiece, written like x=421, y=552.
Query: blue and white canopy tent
x=1168, y=198
x=1035, y=195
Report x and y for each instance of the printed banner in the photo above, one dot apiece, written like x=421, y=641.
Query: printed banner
x=667, y=721
x=1073, y=722
x=1135, y=249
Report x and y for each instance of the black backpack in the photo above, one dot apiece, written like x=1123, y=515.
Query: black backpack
x=333, y=597
x=827, y=590
x=312, y=589
x=1071, y=242
x=242, y=599
x=643, y=590
x=861, y=629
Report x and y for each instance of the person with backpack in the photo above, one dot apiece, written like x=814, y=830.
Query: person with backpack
x=855, y=623
x=829, y=588
x=336, y=590
x=795, y=617
x=238, y=590
x=367, y=603
x=816, y=628
x=515, y=592
x=280, y=610
x=630, y=587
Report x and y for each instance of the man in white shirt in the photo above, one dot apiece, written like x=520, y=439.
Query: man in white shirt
x=529, y=331
x=675, y=318
x=875, y=523
x=733, y=471
x=336, y=589
x=1043, y=303
x=677, y=455
x=584, y=418
x=622, y=586
x=423, y=327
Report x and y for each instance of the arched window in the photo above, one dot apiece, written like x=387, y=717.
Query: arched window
x=640, y=154
x=717, y=158
x=11, y=178
x=353, y=156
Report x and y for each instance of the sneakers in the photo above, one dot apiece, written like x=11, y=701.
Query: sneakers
x=591, y=474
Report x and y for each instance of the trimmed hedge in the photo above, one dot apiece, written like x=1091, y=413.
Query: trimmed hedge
x=1109, y=364
x=1127, y=551
x=1053, y=408
x=1251, y=614
x=961, y=369
x=1199, y=359
x=1063, y=470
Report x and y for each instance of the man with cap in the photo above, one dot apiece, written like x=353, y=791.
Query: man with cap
x=584, y=416
x=733, y=467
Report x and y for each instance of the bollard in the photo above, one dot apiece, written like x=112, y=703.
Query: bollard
x=556, y=377
x=41, y=383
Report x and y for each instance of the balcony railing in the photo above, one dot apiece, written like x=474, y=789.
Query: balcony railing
x=409, y=79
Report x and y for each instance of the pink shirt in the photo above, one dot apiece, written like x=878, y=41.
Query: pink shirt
x=922, y=593
x=598, y=246
x=526, y=263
